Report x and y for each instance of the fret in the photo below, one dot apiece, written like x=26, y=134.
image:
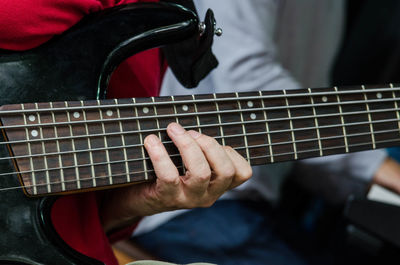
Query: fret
x=32, y=168
x=369, y=118
x=157, y=122
x=321, y=153
x=342, y=120
x=382, y=130
x=91, y=160
x=53, y=120
x=128, y=178
x=219, y=119
x=306, y=141
x=44, y=152
x=196, y=111
x=281, y=143
x=253, y=116
x=243, y=128
x=78, y=183
x=146, y=176
x=176, y=113
x=291, y=127
x=209, y=122
x=131, y=144
x=110, y=175
x=168, y=113
x=271, y=154
x=177, y=121
x=396, y=106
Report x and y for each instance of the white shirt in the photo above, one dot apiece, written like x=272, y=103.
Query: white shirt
x=275, y=45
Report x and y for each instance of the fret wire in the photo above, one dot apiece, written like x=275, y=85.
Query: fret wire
x=215, y=125
x=326, y=93
x=316, y=124
x=255, y=157
x=193, y=127
x=195, y=110
x=78, y=182
x=236, y=135
x=221, y=129
x=58, y=148
x=105, y=143
x=30, y=153
x=369, y=118
x=221, y=112
x=43, y=150
x=141, y=140
x=267, y=129
x=177, y=121
x=128, y=176
x=291, y=126
x=395, y=140
x=157, y=121
x=342, y=120
x=396, y=107
x=243, y=127
x=89, y=146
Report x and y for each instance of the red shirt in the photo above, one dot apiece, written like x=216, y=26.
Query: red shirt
x=25, y=24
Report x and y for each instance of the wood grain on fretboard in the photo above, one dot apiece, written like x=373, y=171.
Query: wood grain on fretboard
x=73, y=146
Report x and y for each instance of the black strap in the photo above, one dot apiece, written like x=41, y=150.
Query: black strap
x=192, y=59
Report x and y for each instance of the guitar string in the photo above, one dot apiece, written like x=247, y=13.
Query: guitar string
x=266, y=157
x=190, y=114
x=217, y=137
x=326, y=115
x=208, y=100
x=204, y=126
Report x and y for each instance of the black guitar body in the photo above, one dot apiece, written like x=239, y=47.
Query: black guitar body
x=74, y=65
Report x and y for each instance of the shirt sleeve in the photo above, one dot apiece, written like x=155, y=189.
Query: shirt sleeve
x=26, y=24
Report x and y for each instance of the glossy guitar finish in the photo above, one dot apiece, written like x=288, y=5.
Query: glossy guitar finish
x=74, y=65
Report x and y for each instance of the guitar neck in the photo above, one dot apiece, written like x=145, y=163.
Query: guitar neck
x=73, y=146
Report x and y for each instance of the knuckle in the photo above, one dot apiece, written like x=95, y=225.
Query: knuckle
x=204, y=174
x=173, y=180
x=229, y=148
x=247, y=172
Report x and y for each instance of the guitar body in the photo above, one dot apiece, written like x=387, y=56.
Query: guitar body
x=73, y=66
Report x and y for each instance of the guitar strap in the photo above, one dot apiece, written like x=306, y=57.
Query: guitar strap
x=192, y=59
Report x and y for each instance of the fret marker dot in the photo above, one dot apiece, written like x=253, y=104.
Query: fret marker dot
x=324, y=99
x=250, y=104
x=76, y=115
x=34, y=133
x=109, y=113
x=146, y=110
x=32, y=117
x=379, y=95
x=185, y=108
x=253, y=116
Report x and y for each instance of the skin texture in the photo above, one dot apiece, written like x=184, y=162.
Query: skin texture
x=388, y=175
x=211, y=170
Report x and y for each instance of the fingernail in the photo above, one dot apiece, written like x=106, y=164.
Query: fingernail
x=176, y=129
x=194, y=134
x=151, y=140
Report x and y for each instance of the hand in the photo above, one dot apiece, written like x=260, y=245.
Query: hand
x=388, y=175
x=211, y=170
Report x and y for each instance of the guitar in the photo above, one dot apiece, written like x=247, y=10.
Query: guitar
x=72, y=143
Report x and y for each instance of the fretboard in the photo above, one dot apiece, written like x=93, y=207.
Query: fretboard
x=74, y=146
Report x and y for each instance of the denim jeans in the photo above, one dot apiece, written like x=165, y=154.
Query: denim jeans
x=229, y=232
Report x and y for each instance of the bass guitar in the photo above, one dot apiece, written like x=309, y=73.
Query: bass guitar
x=74, y=141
